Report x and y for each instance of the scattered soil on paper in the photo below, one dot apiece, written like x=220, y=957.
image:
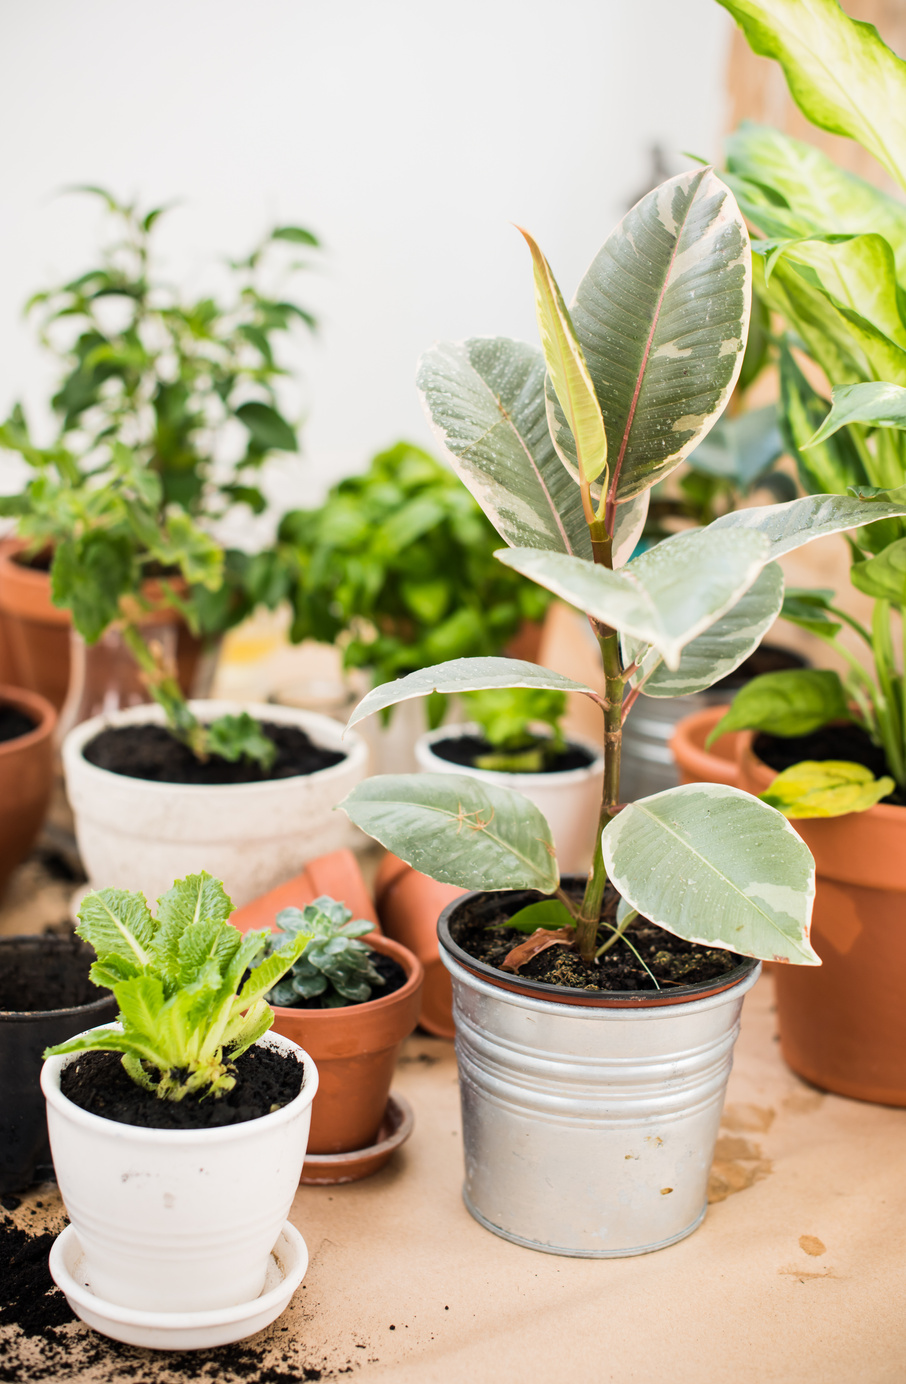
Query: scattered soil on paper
x=266, y=1079
x=480, y=928
x=152, y=753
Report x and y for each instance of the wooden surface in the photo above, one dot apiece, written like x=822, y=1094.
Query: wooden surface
x=797, y=1275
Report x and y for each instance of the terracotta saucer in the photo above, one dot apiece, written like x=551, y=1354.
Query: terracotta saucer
x=327, y=1169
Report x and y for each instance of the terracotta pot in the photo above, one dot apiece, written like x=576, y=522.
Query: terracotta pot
x=698, y=765
x=37, y=632
x=843, y=1024
x=409, y=905
x=26, y=778
x=354, y=1048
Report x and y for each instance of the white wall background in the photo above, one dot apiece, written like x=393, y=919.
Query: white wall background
x=409, y=134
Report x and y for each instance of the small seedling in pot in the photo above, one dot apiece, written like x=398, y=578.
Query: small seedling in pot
x=191, y=997
x=333, y=964
x=510, y=719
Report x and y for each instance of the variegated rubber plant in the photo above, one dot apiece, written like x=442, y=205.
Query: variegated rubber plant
x=561, y=447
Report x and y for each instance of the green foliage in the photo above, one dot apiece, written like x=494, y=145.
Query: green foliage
x=187, y=1008
x=829, y=788
x=791, y=703
x=333, y=964
x=509, y=720
x=398, y=565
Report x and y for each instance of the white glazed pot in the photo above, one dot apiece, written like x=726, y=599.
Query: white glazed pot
x=177, y=1220
x=135, y=834
x=570, y=801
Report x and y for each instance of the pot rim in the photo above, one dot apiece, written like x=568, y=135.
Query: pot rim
x=415, y=975
x=31, y=703
x=326, y=732
x=139, y=1134
x=881, y=812
x=570, y=997
x=561, y=778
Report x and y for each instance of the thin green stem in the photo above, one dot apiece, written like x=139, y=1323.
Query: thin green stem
x=852, y=622
x=617, y=933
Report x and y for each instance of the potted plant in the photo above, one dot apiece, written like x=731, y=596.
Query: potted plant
x=397, y=567
x=560, y=1024
x=830, y=263
x=156, y=1121
x=176, y=380
x=350, y=999
x=45, y=997
x=26, y=773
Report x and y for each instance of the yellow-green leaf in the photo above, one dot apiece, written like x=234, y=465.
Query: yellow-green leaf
x=567, y=368
x=829, y=788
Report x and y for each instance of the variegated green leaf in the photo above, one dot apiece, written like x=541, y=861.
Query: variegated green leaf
x=662, y=316
x=485, y=401
x=722, y=648
x=629, y=522
x=465, y=675
x=715, y=866
x=828, y=467
x=840, y=73
x=799, y=522
x=458, y=830
x=829, y=788
x=567, y=369
x=665, y=597
x=877, y=405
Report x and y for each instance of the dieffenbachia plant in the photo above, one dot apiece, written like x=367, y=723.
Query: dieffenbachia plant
x=561, y=447
x=830, y=261
x=188, y=1006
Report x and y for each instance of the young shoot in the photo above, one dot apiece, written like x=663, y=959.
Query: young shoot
x=190, y=987
x=333, y=964
x=522, y=724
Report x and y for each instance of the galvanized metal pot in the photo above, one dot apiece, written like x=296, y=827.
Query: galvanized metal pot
x=589, y=1117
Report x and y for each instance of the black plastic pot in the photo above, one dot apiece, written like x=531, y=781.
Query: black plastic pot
x=38, y=970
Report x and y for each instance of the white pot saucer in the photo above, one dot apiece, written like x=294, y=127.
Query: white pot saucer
x=180, y=1330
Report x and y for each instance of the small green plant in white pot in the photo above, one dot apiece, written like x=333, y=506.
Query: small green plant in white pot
x=514, y=737
x=573, y=998
x=179, y=1132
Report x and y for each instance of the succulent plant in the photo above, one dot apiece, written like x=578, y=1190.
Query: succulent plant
x=334, y=964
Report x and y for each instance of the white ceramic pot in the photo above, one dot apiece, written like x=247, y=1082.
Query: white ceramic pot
x=570, y=801
x=176, y=1220
x=134, y=834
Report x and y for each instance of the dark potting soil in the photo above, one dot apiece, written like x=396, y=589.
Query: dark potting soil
x=29, y=1298
x=266, y=1079
x=152, y=753
x=483, y=933
x=846, y=742
x=37, y=975
x=767, y=658
x=394, y=979
x=465, y=749
x=14, y=723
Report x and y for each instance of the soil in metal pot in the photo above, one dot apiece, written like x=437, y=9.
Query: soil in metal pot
x=465, y=749
x=266, y=1080
x=768, y=658
x=152, y=753
x=35, y=978
x=671, y=961
x=394, y=979
x=846, y=742
x=14, y=723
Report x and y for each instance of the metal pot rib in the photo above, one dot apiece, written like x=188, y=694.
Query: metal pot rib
x=588, y=1129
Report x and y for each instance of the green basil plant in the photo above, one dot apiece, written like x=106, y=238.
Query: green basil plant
x=188, y=1004
x=561, y=447
x=830, y=263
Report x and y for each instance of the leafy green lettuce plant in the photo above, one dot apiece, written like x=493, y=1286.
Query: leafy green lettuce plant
x=510, y=719
x=830, y=260
x=333, y=963
x=561, y=448
x=188, y=1006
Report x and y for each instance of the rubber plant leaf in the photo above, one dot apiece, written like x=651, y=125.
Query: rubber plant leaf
x=567, y=369
x=841, y=74
x=716, y=866
x=790, y=703
x=799, y=522
x=458, y=830
x=665, y=597
x=465, y=675
x=485, y=401
x=662, y=316
x=829, y=788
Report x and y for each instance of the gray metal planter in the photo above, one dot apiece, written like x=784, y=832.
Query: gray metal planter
x=589, y=1126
